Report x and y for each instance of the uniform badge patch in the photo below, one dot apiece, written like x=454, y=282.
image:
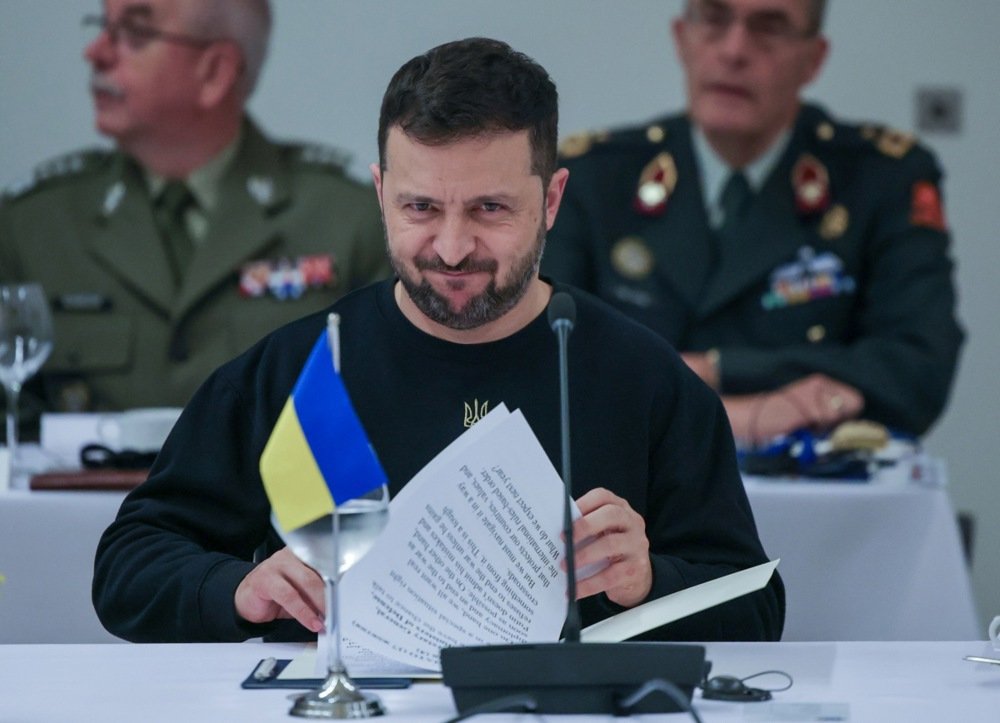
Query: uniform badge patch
x=926, y=208
x=261, y=189
x=287, y=278
x=812, y=276
x=834, y=223
x=113, y=198
x=811, y=184
x=656, y=183
x=655, y=134
x=632, y=258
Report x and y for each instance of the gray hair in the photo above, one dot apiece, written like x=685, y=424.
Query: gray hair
x=245, y=22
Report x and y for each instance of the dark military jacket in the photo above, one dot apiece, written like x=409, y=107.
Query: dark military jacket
x=841, y=265
x=290, y=233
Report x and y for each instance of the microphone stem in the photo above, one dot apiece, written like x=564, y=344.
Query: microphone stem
x=573, y=612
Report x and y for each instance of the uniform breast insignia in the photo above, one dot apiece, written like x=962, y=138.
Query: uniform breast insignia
x=632, y=258
x=811, y=185
x=834, y=222
x=656, y=133
x=261, y=189
x=825, y=131
x=656, y=183
x=816, y=333
x=474, y=412
x=287, y=279
x=113, y=198
x=810, y=277
x=926, y=208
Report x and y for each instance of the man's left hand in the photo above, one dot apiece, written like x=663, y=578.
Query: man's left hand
x=619, y=537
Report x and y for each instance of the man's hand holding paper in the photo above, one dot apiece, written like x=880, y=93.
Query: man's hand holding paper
x=614, y=555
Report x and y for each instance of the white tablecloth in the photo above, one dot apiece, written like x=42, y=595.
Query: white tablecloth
x=881, y=681
x=859, y=562
x=866, y=561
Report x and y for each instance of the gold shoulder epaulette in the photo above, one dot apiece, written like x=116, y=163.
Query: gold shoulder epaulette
x=577, y=144
x=889, y=141
x=895, y=143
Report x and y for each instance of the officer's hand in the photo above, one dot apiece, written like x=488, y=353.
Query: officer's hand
x=619, y=537
x=824, y=401
x=816, y=401
x=282, y=586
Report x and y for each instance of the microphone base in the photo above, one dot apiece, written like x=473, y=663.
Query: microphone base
x=573, y=677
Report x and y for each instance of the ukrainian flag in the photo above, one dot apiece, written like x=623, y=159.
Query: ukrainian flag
x=318, y=455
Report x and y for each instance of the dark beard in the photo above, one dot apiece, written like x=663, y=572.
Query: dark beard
x=481, y=309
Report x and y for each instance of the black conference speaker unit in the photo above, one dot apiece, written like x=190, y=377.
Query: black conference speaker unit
x=573, y=678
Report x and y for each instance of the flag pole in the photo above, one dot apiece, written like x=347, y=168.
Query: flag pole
x=335, y=664
x=333, y=337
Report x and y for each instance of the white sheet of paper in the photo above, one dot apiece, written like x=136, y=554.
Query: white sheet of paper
x=470, y=555
x=360, y=663
x=678, y=605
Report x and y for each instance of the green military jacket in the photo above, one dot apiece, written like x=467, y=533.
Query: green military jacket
x=289, y=235
x=841, y=265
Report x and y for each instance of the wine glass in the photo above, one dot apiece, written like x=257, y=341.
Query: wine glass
x=25, y=344
x=344, y=536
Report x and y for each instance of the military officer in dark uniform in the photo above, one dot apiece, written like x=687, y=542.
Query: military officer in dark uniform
x=197, y=235
x=798, y=263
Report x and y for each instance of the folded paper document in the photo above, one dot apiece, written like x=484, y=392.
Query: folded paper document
x=471, y=556
x=363, y=662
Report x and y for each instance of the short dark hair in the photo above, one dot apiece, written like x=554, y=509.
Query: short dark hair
x=472, y=87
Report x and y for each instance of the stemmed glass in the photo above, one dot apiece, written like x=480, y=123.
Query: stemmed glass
x=25, y=344
x=344, y=536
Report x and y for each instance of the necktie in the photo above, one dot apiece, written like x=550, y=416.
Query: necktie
x=734, y=201
x=171, y=206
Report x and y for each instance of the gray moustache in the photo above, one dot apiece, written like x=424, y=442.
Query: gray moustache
x=99, y=84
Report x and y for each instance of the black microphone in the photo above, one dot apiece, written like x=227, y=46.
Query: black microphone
x=562, y=317
x=570, y=676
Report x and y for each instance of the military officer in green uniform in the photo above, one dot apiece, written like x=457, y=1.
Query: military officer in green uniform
x=196, y=235
x=799, y=264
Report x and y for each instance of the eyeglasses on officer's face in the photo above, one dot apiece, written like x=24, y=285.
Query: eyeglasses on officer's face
x=767, y=29
x=136, y=33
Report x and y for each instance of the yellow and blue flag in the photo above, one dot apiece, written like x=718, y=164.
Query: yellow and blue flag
x=318, y=455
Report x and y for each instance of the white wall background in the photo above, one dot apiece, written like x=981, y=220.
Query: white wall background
x=613, y=63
